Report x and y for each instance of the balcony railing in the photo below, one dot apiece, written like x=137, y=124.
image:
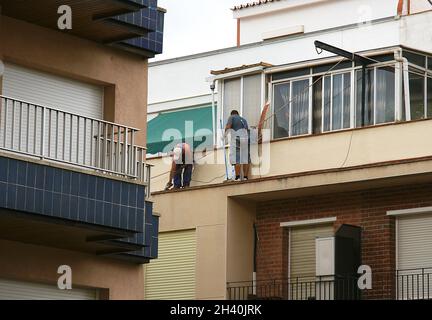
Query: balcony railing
x=412, y=284
x=73, y=139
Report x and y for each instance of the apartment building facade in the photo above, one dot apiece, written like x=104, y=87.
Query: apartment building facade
x=73, y=177
x=340, y=185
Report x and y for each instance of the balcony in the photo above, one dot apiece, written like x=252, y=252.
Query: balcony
x=408, y=284
x=133, y=25
x=74, y=182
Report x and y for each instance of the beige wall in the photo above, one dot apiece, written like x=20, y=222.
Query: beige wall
x=197, y=211
x=124, y=75
x=39, y=264
x=327, y=151
x=240, y=240
x=224, y=214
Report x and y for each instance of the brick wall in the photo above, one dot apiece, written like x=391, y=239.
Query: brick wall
x=367, y=209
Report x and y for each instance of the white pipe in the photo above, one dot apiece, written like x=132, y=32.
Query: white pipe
x=212, y=87
x=405, y=70
x=254, y=283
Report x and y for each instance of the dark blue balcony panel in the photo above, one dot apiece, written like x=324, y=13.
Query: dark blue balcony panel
x=3, y=194
x=22, y=173
x=75, y=183
x=146, y=253
x=103, y=21
x=4, y=169
x=150, y=44
x=72, y=195
x=12, y=172
x=110, y=216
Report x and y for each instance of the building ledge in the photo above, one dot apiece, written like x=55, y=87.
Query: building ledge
x=405, y=170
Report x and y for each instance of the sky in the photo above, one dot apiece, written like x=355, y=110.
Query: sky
x=193, y=26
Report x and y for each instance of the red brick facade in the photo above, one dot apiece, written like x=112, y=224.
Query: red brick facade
x=367, y=209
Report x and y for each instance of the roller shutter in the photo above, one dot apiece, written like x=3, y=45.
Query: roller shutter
x=53, y=91
x=414, y=260
x=172, y=275
x=303, y=260
x=20, y=290
x=38, y=88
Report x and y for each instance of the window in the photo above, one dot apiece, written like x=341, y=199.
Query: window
x=337, y=102
x=385, y=95
x=317, y=105
x=300, y=108
x=417, y=95
x=281, y=98
x=231, y=97
x=364, y=117
x=291, y=116
x=420, y=86
x=244, y=95
x=380, y=96
x=429, y=95
x=251, y=109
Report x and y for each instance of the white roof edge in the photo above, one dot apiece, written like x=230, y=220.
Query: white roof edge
x=269, y=7
x=235, y=73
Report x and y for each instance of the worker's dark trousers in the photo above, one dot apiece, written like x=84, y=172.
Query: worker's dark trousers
x=183, y=175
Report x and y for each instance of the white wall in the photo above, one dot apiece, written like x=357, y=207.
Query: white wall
x=182, y=82
x=186, y=77
x=420, y=5
x=312, y=14
x=416, y=31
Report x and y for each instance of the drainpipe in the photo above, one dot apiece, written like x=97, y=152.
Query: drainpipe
x=212, y=88
x=405, y=76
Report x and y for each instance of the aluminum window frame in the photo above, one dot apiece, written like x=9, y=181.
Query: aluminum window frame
x=353, y=96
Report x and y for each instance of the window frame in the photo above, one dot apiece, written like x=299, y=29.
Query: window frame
x=241, y=107
x=353, y=97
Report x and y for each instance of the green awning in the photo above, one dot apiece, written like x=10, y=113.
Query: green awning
x=201, y=118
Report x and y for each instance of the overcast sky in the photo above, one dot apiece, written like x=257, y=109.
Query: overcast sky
x=193, y=26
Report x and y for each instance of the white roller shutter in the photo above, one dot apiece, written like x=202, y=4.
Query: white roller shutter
x=414, y=256
x=53, y=91
x=172, y=275
x=303, y=259
x=67, y=136
x=19, y=290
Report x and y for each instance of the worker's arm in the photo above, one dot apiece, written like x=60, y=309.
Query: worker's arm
x=228, y=126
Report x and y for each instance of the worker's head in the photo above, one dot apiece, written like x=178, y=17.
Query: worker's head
x=234, y=113
x=177, y=152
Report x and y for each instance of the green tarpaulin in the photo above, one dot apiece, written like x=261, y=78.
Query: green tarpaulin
x=200, y=117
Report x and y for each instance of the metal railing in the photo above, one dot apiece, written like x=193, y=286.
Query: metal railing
x=414, y=284
x=65, y=137
x=409, y=284
x=301, y=288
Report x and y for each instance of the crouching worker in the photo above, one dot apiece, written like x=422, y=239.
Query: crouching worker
x=181, y=167
x=240, y=144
